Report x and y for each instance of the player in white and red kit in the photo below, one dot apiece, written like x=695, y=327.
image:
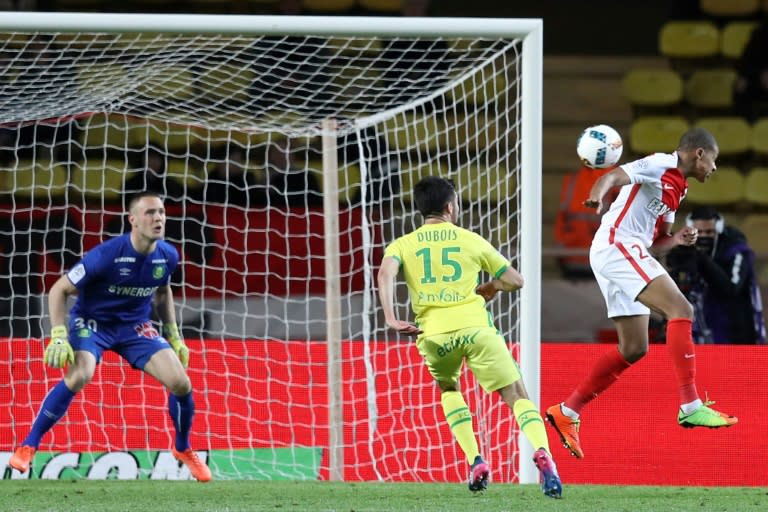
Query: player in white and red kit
x=635, y=230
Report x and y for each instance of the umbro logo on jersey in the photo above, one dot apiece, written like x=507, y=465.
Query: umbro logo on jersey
x=125, y=271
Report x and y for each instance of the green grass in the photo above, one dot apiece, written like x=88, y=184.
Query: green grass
x=231, y=496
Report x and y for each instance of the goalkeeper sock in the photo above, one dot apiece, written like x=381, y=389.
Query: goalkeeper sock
x=54, y=407
x=460, y=421
x=182, y=410
x=530, y=422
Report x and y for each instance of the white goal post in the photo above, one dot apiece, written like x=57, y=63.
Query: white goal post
x=89, y=101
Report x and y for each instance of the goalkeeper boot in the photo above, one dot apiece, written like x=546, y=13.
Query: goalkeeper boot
x=22, y=458
x=550, y=480
x=705, y=416
x=567, y=428
x=478, y=475
x=197, y=468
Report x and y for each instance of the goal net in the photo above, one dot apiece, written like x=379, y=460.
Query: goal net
x=286, y=149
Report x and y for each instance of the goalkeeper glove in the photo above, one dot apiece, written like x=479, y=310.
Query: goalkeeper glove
x=172, y=334
x=58, y=352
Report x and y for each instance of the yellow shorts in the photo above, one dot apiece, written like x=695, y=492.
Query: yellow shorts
x=483, y=348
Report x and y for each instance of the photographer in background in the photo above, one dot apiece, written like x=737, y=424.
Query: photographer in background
x=717, y=276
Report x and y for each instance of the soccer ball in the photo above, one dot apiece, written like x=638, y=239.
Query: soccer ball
x=599, y=146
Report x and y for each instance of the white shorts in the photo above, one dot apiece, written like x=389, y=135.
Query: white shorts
x=623, y=270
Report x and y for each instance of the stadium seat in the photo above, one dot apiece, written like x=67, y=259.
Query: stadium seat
x=479, y=184
x=111, y=131
x=755, y=226
x=710, y=88
x=724, y=187
x=733, y=134
x=756, y=186
x=186, y=172
x=654, y=134
x=173, y=138
x=653, y=87
x=759, y=140
x=689, y=39
x=729, y=8
x=96, y=178
x=328, y=5
x=734, y=38
x=38, y=180
x=425, y=133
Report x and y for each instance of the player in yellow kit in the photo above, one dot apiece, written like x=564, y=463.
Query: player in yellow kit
x=441, y=263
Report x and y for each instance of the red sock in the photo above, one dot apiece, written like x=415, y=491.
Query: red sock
x=604, y=373
x=680, y=347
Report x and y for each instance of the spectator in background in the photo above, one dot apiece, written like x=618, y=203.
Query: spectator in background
x=751, y=87
x=575, y=224
x=289, y=185
x=717, y=276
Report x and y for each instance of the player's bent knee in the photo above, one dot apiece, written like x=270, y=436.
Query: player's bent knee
x=77, y=379
x=180, y=387
x=634, y=354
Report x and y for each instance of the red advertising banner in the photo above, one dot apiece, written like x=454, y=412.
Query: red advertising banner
x=262, y=394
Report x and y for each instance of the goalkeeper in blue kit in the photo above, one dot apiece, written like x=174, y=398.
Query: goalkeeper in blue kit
x=118, y=283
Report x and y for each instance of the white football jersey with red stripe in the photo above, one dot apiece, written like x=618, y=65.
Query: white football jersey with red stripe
x=656, y=189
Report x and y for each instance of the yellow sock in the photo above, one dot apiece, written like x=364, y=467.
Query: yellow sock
x=530, y=422
x=460, y=420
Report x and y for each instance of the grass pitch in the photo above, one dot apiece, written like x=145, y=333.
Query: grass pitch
x=231, y=496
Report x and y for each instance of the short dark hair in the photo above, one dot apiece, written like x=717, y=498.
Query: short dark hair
x=432, y=193
x=697, y=138
x=704, y=213
x=141, y=195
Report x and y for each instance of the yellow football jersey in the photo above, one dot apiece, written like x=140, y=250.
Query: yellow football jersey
x=441, y=263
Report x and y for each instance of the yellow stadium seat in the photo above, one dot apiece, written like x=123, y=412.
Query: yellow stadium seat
x=729, y=8
x=328, y=5
x=756, y=186
x=479, y=184
x=112, y=131
x=725, y=186
x=733, y=134
x=653, y=87
x=173, y=138
x=710, y=88
x=689, y=39
x=38, y=180
x=755, y=226
x=423, y=133
x=654, y=134
x=186, y=172
x=759, y=142
x=734, y=38
x=95, y=178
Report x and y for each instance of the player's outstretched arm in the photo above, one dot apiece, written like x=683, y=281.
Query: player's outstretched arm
x=386, y=280
x=166, y=311
x=616, y=178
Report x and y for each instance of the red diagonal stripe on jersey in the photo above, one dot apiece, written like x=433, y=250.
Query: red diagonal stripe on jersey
x=632, y=195
x=632, y=262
